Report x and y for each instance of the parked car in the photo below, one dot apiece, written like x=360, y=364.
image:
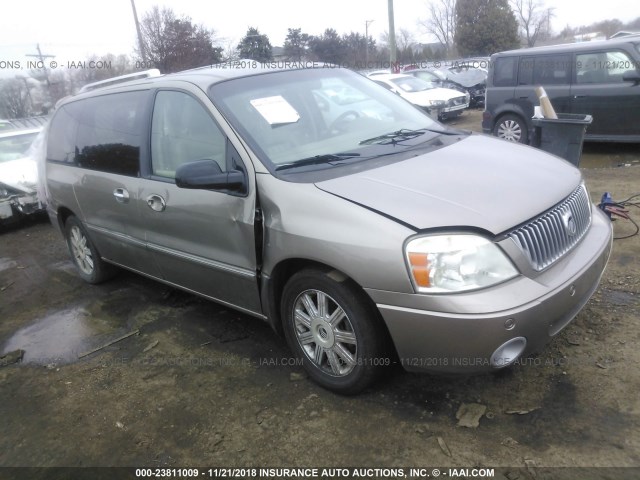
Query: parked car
x=598, y=78
x=23, y=123
x=316, y=200
x=442, y=102
x=471, y=81
x=18, y=175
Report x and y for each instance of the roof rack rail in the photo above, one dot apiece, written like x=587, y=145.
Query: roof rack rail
x=154, y=72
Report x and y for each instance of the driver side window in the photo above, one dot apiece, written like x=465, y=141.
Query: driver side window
x=182, y=131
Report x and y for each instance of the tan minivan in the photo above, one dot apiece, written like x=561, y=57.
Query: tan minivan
x=315, y=199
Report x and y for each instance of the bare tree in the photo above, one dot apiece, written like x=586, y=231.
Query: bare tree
x=609, y=27
x=15, y=100
x=533, y=18
x=441, y=21
x=100, y=68
x=61, y=85
x=405, y=41
x=174, y=43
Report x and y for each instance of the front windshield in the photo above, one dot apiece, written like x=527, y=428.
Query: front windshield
x=323, y=113
x=412, y=84
x=426, y=76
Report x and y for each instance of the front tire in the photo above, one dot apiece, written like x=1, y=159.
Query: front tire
x=85, y=256
x=334, y=329
x=511, y=128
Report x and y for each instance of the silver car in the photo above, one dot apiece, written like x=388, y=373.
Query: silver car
x=18, y=175
x=314, y=199
x=441, y=102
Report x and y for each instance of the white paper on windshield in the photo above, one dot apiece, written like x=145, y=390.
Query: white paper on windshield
x=276, y=110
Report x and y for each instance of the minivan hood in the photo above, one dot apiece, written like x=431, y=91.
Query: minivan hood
x=479, y=182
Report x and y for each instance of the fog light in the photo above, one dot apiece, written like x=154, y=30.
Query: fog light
x=508, y=352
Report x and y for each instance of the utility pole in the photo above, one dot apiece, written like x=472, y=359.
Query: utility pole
x=366, y=42
x=140, y=41
x=392, y=38
x=41, y=57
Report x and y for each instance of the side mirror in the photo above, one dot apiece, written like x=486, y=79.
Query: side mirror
x=632, y=76
x=207, y=175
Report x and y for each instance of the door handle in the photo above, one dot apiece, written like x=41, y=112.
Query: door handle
x=156, y=203
x=121, y=195
x=580, y=96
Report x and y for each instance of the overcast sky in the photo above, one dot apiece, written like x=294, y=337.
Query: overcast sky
x=75, y=29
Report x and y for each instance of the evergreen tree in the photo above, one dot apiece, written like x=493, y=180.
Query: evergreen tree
x=255, y=46
x=484, y=27
x=295, y=44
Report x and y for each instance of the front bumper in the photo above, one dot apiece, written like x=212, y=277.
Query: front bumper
x=19, y=205
x=461, y=333
x=455, y=108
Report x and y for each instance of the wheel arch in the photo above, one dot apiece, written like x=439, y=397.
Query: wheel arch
x=273, y=286
x=514, y=113
x=63, y=214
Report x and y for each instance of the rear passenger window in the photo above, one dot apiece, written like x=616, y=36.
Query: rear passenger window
x=545, y=70
x=603, y=67
x=109, y=133
x=504, y=72
x=182, y=131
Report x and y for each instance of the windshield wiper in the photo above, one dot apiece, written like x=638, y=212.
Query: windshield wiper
x=329, y=158
x=404, y=134
x=393, y=137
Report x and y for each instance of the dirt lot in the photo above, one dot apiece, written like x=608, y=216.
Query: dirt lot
x=201, y=385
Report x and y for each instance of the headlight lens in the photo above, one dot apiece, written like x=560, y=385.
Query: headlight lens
x=454, y=263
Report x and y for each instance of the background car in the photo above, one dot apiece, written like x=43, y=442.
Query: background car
x=597, y=78
x=23, y=123
x=471, y=81
x=441, y=102
x=18, y=175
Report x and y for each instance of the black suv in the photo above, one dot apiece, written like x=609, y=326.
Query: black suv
x=600, y=78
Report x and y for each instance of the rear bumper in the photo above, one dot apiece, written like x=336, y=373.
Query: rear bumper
x=457, y=341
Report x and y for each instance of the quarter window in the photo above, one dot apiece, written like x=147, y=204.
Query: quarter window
x=603, y=67
x=182, y=131
x=61, y=145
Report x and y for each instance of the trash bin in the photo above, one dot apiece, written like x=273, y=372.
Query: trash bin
x=562, y=137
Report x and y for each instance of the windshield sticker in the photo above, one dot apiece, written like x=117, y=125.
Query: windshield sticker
x=275, y=110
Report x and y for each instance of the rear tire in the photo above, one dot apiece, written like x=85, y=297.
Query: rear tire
x=85, y=256
x=511, y=128
x=335, y=330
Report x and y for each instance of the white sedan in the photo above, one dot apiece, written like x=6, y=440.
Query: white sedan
x=18, y=175
x=443, y=102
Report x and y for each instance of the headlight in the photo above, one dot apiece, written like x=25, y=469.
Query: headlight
x=436, y=103
x=454, y=263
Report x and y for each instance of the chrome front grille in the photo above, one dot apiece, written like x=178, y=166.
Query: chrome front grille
x=548, y=237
